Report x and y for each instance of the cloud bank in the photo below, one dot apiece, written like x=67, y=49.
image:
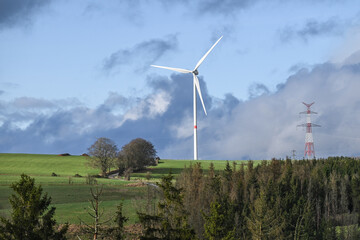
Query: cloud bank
x=19, y=12
x=260, y=128
x=313, y=28
x=143, y=54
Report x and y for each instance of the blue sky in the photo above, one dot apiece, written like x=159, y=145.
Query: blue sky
x=73, y=71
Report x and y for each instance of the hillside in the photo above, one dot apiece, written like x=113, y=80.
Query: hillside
x=70, y=194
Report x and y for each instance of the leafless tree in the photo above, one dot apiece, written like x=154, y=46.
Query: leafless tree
x=102, y=154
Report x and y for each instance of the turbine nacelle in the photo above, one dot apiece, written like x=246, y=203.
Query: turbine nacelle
x=196, y=72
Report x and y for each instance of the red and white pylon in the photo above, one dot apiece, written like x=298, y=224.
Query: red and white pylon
x=309, y=141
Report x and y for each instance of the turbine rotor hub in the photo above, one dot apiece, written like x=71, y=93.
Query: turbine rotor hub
x=196, y=72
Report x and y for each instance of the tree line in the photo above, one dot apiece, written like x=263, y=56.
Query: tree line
x=277, y=199
x=134, y=156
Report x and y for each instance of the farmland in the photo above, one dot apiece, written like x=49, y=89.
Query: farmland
x=70, y=194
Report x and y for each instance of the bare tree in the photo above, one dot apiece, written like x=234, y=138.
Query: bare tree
x=102, y=154
x=100, y=229
x=95, y=213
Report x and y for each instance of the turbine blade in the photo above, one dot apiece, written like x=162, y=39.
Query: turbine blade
x=203, y=58
x=197, y=84
x=173, y=69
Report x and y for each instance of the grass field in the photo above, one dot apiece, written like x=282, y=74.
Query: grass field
x=44, y=165
x=70, y=195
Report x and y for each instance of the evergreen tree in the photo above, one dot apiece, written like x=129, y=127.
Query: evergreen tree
x=228, y=172
x=171, y=221
x=117, y=232
x=262, y=221
x=355, y=185
x=30, y=217
x=219, y=223
x=197, y=195
x=310, y=227
x=211, y=172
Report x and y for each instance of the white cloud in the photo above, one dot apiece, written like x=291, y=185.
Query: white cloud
x=184, y=128
x=158, y=103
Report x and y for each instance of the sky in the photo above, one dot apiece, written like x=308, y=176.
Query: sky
x=74, y=71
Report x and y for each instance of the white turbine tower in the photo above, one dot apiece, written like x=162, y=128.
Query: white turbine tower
x=196, y=87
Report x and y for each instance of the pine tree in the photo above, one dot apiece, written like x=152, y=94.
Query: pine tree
x=117, y=232
x=196, y=195
x=219, y=223
x=30, y=217
x=171, y=221
x=355, y=186
x=262, y=221
x=228, y=172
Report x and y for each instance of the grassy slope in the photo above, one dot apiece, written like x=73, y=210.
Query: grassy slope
x=43, y=165
x=71, y=200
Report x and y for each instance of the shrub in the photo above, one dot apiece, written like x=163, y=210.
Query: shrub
x=148, y=175
x=64, y=154
x=90, y=180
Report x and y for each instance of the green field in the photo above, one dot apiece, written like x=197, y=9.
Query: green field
x=70, y=195
x=44, y=165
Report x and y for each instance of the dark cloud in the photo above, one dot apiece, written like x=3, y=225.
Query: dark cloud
x=257, y=90
x=260, y=128
x=133, y=10
x=280, y=86
x=143, y=54
x=224, y=6
x=313, y=28
x=19, y=12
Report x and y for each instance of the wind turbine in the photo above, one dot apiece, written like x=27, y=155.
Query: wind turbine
x=196, y=87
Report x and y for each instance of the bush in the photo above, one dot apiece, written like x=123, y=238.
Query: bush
x=90, y=180
x=157, y=160
x=77, y=175
x=148, y=175
x=64, y=154
x=54, y=174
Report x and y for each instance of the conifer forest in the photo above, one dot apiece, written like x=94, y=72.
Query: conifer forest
x=277, y=199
